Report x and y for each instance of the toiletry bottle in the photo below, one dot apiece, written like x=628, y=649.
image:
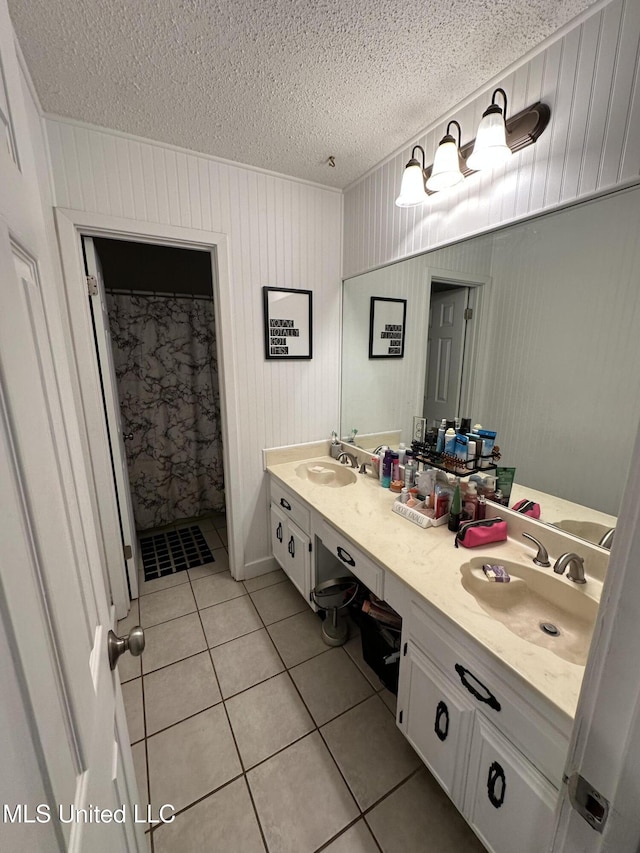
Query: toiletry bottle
x=386, y=470
x=402, y=452
x=381, y=454
x=441, y=431
x=410, y=470
x=450, y=442
x=481, y=509
x=404, y=495
x=470, y=503
x=336, y=447
x=395, y=466
x=455, y=510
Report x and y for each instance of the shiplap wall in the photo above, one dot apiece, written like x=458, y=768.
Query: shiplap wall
x=589, y=78
x=282, y=232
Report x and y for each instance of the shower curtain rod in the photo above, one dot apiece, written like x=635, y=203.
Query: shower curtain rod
x=167, y=294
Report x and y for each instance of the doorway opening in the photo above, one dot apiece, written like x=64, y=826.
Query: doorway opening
x=158, y=364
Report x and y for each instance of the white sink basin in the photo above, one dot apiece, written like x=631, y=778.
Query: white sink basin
x=532, y=599
x=330, y=474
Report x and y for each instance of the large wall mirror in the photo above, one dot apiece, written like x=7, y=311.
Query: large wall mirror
x=550, y=357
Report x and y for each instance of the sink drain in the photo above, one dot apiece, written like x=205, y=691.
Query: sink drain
x=550, y=629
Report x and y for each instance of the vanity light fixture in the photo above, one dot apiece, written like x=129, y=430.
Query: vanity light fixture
x=445, y=171
x=497, y=134
x=491, y=147
x=412, y=191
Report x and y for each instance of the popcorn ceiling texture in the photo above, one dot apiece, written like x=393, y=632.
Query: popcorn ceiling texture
x=280, y=85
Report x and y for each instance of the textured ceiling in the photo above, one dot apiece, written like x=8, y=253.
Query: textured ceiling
x=280, y=84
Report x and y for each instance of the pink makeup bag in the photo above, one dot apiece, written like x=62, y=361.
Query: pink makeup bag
x=475, y=533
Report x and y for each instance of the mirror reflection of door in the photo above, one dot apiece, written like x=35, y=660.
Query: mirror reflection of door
x=445, y=351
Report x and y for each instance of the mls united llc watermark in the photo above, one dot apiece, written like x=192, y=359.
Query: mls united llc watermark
x=44, y=813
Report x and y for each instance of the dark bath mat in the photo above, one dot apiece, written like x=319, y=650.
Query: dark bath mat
x=174, y=551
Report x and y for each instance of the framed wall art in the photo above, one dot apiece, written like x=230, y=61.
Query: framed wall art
x=387, y=322
x=287, y=323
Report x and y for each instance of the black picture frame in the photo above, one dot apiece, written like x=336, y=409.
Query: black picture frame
x=288, y=331
x=387, y=327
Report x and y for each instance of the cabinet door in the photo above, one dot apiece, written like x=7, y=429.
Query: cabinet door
x=297, y=562
x=279, y=525
x=508, y=803
x=436, y=720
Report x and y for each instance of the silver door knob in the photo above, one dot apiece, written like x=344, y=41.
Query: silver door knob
x=133, y=642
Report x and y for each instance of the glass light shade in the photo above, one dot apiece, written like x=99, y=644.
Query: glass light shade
x=491, y=147
x=445, y=171
x=412, y=192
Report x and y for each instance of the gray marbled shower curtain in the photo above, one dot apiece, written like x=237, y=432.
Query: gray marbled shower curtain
x=164, y=351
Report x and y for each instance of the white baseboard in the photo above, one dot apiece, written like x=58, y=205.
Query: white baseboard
x=256, y=568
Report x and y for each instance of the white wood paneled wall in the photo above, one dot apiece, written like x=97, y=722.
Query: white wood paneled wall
x=589, y=78
x=282, y=232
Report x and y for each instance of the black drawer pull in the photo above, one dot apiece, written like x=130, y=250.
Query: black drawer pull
x=285, y=504
x=442, y=711
x=292, y=547
x=279, y=532
x=486, y=697
x=345, y=556
x=496, y=776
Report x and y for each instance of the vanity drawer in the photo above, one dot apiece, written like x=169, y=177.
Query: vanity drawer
x=371, y=575
x=291, y=506
x=516, y=716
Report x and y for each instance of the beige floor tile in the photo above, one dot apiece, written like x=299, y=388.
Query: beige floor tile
x=370, y=751
x=166, y=604
x=222, y=533
x=267, y=718
x=300, y=797
x=420, y=810
x=172, y=641
x=191, y=759
x=224, y=822
x=274, y=603
x=216, y=589
x=330, y=683
x=130, y=621
x=219, y=519
x=244, y=662
x=357, y=839
x=220, y=564
x=139, y=751
x=271, y=578
x=298, y=638
x=231, y=619
x=166, y=582
x=129, y=666
x=132, y=696
x=390, y=700
x=179, y=691
x=212, y=537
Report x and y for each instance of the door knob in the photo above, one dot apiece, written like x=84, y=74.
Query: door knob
x=133, y=642
x=127, y=436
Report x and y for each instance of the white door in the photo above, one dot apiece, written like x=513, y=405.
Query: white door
x=98, y=304
x=66, y=745
x=445, y=350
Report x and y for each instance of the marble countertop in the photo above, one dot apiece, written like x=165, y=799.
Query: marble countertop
x=427, y=561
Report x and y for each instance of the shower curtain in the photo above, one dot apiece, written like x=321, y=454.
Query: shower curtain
x=164, y=352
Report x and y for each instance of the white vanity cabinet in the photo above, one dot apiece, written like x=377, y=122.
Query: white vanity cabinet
x=497, y=752
x=291, y=537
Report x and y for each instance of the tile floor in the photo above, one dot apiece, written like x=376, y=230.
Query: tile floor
x=262, y=737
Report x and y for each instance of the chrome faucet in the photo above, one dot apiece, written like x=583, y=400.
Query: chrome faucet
x=607, y=538
x=575, y=564
x=345, y=457
x=542, y=557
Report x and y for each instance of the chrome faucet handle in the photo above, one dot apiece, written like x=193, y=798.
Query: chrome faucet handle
x=575, y=564
x=363, y=468
x=607, y=538
x=542, y=557
x=345, y=457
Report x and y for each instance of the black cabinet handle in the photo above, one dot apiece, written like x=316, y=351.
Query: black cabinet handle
x=285, y=504
x=345, y=556
x=482, y=694
x=440, y=730
x=279, y=532
x=292, y=547
x=498, y=780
